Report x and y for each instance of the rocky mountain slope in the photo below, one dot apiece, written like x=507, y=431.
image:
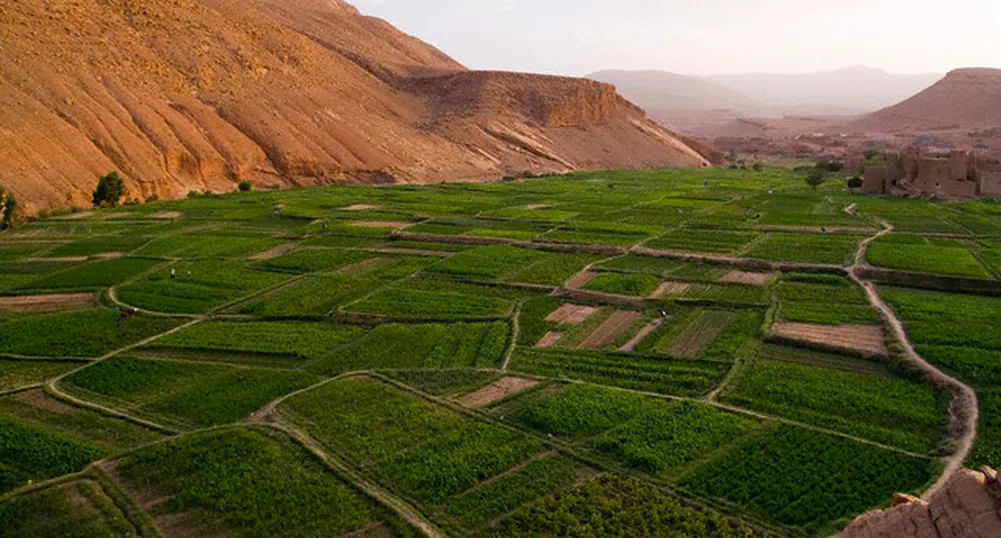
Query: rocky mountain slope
x=965, y=99
x=184, y=95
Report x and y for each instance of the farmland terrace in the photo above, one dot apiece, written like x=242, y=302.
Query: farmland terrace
x=612, y=353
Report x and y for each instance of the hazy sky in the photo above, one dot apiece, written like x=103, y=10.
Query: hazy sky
x=575, y=37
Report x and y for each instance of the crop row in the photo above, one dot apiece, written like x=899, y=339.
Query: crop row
x=428, y=346
x=671, y=376
x=251, y=483
x=185, y=394
x=428, y=453
x=82, y=333
x=807, y=480
x=890, y=411
x=292, y=340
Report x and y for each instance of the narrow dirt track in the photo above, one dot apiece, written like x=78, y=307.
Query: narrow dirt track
x=963, y=412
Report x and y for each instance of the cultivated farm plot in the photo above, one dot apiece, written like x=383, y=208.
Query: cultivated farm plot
x=245, y=481
x=831, y=249
x=942, y=256
x=866, y=339
x=653, y=374
x=196, y=287
x=272, y=343
x=702, y=332
x=77, y=508
x=805, y=480
x=428, y=453
x=891, y=411
x=183, y=395
x=354, y=357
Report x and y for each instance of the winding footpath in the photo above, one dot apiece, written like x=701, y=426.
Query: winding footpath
x=964, y=410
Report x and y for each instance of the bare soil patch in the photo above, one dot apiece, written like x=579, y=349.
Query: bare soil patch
x=498, y=390
x=549, y=340
x=533, y=207
x=280, y=250
x=44, y=303
x=110, y=255
x=615, y=325
x=868, y=339
x=360, y=207
x=380, y=224
x=167, y=215
x=38, y=399
x=673, y=289
x=741, y=277
x=580, y=279
x=640, y=336
x=572, y=314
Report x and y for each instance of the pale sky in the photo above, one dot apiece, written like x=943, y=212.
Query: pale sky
x=576, y=37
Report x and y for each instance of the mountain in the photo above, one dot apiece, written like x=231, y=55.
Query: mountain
x=965, y=99
x=663, y=90
x=845, y=91
x=185, y=95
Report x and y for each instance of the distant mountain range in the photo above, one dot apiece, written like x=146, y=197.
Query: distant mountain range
x=849, y=91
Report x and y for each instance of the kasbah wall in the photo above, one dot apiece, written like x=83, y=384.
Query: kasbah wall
x=954, y=175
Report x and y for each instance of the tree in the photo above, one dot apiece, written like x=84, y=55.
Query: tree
x=871, y=154
x=245, y=186
x=815, y=178
x=109, y=191
x=9, y=212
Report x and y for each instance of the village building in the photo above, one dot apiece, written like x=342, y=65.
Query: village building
x=955, y=175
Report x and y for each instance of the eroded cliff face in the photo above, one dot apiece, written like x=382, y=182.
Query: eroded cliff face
x=969, y=507
x=182, y=95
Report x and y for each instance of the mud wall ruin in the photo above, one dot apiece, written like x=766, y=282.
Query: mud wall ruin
x=952, y=176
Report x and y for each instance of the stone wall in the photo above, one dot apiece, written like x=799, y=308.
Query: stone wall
x=968, y=507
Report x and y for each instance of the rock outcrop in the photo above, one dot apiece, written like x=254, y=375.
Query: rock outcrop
x=968, y=507
x=184, y=95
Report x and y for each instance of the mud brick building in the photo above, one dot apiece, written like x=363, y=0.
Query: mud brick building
x=950, y=176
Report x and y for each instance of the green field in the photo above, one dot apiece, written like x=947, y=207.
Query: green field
x=335, y=378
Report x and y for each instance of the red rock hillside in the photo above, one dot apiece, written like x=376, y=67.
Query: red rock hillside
x=182, y=95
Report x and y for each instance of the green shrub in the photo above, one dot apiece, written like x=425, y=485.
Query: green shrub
x=109, y=191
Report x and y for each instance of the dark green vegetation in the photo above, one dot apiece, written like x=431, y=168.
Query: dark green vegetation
x=826, y=299
x=892, y=411
x=958, y=333
x=249, y=483
x=79, y=509
x=805, y=479
x=620, y=507
x=181, y=394
x=31, y=452
x=84, y=333
x=653, y=374
x=362, y=331
x=927, y=255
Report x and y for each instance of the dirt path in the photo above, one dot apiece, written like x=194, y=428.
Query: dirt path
x=964, y=411
x=515, y=330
